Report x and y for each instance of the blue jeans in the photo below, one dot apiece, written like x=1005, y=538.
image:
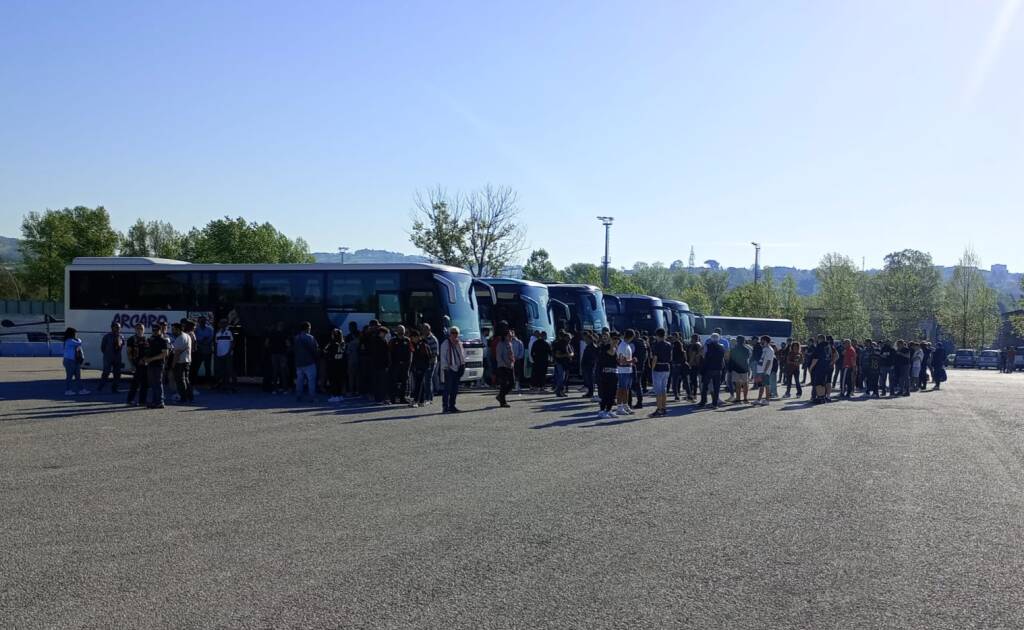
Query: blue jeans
x=560, y=374
x=451, y=389
x=431, y=379
x=72, y=371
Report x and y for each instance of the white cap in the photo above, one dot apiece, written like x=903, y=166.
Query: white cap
x=714, y=337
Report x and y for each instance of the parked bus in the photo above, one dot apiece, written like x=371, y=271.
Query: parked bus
x=679, y=318
x=524, y=304
x=639, y=312
x=586, y=307
x=778, y=329
x=253, y=298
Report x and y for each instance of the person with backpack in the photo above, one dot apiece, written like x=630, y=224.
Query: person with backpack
x=680, y=375
x=695, y=359
x=563, y=354
x=872, y=365
x=334, y=356
x=821, y=370
x=74, y=356
x=738, y=362
x=607, y=374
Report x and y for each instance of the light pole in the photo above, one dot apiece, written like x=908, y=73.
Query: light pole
x=757, y=261
x=607, y=222
x=342, y=250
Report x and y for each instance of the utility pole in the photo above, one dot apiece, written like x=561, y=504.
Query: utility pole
x=342, y=250
x=607, y=222
x=693, y=259
x=757, y=261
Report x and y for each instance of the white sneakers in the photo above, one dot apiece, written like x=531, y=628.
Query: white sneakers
x=604, y=415
x=69, y=392
x=623, y=410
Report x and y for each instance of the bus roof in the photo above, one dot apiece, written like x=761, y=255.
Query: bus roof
x=142, y=263
x=636, y=296
x=562, y=285
x=755, y=319
x=684, y=305
x=527, y=283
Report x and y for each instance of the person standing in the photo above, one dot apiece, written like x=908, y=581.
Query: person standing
x=624, y=358
x=849, y=369
x=711, y=370
x=794, y=357
x=352, y=340
x=137, y=346
x=74, y=356
x=181, y=352
x=419, y=368
x=202, y=352
x=607, y=376
x=504, y=362
x=938, y=365
x=540, y=355
x=679, y=375
x=156, y=355
x=695, y=358
x=112, y=346
x=453, y=366
x=334, y=355
x=224, y=357
x=738, y=362
x=821, y=369
x=916, y=360
x=563, y=354
x=588, y=363
x=276, y=346
x=434, y=369
x=885, y=375
x=1011, y=360
x=519, y=354
x=400, y=356
x=763, y=371
x=901, y=362
x=872, y=364
x=306, y=352
x=661, y=368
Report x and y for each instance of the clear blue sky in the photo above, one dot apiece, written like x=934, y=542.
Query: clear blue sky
x=859, y=127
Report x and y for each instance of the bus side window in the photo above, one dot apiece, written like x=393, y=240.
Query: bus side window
x=389, y=308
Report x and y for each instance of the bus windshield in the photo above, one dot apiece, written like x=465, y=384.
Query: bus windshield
x=463, y=311
x=748, y=327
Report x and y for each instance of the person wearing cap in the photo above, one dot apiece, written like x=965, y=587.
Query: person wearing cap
x=156, y=355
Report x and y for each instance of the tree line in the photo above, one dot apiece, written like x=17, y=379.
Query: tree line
x=52, y=239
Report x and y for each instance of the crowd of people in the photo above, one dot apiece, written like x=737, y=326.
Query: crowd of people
x=623, y=367
x=390, y=366
x=385, y=365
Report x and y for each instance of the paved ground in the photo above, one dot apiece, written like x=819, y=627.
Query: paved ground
x=249, y=512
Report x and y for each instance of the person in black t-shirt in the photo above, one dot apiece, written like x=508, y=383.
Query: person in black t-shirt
x=401, y=355
x=155, y=358
x=138, y=347
x=540, y=354
x=277, y=347
x=661, y=367
x=334, y=356
x=607, y=374
x=563, y=354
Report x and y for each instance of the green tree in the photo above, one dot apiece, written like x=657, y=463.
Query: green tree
x=620, y=283
x=753, y=299
x=716, y=283
x=52, y=239
x=910, y=289
x=238, y=241
x=792, y=307
x=439, y=227
x=654, y=279
x=696, y=297
x=843, y=312
x=582, y=273
x=539, y=268
x=152, y=238
x=969, y=311
x=1017, y=321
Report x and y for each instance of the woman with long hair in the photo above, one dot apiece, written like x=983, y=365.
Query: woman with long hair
x=73, y=359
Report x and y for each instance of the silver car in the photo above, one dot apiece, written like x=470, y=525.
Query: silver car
x=989, y=359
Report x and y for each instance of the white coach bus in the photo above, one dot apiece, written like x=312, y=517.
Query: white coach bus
x=750, y=327
x=253, y=298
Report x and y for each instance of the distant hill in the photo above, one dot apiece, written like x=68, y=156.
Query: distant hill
x=9, y=251
x=369, y=256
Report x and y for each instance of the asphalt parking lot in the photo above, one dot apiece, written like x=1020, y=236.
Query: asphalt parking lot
x=249, y=511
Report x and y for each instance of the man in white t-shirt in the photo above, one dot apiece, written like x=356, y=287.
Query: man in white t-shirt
x=624, y=359
x=181, y=350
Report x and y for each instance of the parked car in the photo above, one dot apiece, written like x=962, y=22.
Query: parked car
x=1018, y=361
x=965, y=358
x=989, y=359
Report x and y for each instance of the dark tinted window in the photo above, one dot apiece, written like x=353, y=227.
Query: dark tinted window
x=356, y=290
x=229, y=287
x=163, y=290
x=293, y=287
x=112, y=290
